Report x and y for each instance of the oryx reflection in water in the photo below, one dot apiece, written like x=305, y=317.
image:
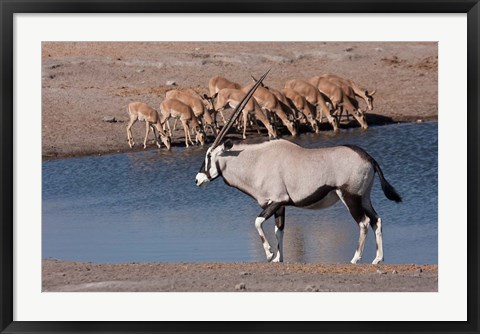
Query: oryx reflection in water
x=280, y=173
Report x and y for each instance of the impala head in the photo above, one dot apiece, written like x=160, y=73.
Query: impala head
x=370, y=99
x=360, y=117
x=292, y=128
x=166, y=140
x=210, y=167
x=335, y=124
x=209, y=102
x=200, y=135
x=313, y=123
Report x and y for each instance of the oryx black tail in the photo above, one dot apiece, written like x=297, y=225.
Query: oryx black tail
x=387, y=188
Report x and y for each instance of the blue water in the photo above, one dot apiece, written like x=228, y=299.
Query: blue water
x=145, y=207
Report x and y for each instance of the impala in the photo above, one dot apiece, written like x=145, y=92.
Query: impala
x=313, y=96
x=172, y=108
x=194, y=101
x=142, y=112
x=269, y=102
x=343, y=82
x=339, y=99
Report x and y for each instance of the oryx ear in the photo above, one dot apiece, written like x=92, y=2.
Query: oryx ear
x=227, y=145
x=204, y=97
x=374, y=91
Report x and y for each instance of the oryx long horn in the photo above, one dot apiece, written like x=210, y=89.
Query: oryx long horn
x=237, y=112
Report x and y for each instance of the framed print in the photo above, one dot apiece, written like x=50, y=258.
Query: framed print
x=120, y=119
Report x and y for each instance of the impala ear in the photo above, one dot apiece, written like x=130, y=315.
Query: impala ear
x=227, y=145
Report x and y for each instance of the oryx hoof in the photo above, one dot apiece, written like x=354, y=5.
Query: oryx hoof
x=277, y=258
x=377, y=260
x=270, y=257
x=355, y=260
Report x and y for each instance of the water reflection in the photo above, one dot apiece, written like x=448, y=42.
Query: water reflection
x=144, y=206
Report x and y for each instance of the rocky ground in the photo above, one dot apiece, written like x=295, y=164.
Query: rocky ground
x=86, y=86
x=308, y=277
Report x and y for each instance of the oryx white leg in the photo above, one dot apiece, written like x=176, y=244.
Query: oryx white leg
x=376, y=224
x=270, y=209
x=266, y=246
x=279, y=235
x=355, y=205
x=363, y=226
x=377, y=227
x=279, y=226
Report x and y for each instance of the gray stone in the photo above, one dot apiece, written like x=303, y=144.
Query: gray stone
x=241, y=286
x=171, y=83
x=110, y=119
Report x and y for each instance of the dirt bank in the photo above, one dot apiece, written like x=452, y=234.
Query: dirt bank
x=84, y=84
x=78, y=276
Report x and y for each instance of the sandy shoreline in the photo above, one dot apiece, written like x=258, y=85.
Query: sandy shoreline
x=241, y=277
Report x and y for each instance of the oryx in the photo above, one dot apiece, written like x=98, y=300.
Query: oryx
x=280, y=173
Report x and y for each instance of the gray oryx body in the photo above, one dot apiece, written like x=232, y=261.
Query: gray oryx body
x=280, y=173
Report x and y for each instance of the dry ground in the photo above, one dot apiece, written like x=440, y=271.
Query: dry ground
x=82, y=83
x=78, y=276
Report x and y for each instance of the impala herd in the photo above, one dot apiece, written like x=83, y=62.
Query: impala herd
x=298, y=102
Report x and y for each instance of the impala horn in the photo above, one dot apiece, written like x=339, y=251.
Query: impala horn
x=237, y=112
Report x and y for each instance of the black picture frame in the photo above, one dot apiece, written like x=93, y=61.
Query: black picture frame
x=10, y=7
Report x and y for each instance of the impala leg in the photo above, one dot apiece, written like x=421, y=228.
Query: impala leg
x=156, y=136
x=213, y=130
x=264, y=215
x=253, y=120
x=245, y=120
x=174, y=125
x=279, y=226
x=354, y=205
x=223, y=117
x=147, y=131
x=131, y=142
x=187, y=132
x=332, y=120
